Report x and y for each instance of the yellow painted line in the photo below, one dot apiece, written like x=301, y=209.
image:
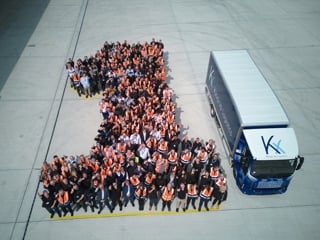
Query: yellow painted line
x=132, y=214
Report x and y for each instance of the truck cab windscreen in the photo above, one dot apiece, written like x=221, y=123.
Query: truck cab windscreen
x=273, y=168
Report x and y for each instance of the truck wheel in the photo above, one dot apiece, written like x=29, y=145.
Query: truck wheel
x=234, y=172
x=212, y=112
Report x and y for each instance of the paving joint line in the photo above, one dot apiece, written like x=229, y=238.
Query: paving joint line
x=74, y=40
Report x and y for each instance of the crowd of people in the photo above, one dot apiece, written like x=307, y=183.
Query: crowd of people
x=139, y=156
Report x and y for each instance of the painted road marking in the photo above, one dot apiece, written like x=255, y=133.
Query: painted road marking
x=132, y=214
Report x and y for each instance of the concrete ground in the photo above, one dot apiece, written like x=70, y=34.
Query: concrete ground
x=41, y=117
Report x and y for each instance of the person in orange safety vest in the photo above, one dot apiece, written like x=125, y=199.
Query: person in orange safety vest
x=192, y=195
x=205, y=196
x=167, y=196
x=64, y=202
x=141, y=195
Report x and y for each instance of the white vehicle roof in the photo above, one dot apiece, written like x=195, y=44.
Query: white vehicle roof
x=272, y=143
x=252, y=96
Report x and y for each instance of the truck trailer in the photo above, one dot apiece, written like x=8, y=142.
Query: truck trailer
x=261, y=146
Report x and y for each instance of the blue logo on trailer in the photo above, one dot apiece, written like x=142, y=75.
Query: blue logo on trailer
x=275, y=146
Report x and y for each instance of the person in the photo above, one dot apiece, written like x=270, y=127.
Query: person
x=160, y=182
x=116, y=196
x=181, y=197
x=78, y=198
x=144, y=134
x=218, y=195
x=134, y=180
x=127, y=193
x=192, y=178
x=210, y=146
x=186, y=143
x=121, y=146
x=76, y=83
x=185, y=158
x=141, y=195
x=221, y=180
x=64, y=202
x=153, y=197
x=196, y=146
x=172, y=178
x=203, y=156
x=192, y=195
x=174, y=143
x=103, y=106
x=131, y=166
x=91, y=197
x=135, y=141
x=213, y=161
x=71, y=71
x=214, y=173
x=167, y=197
x=205, y=196
x=149, y=179
x=49, y=203
x=85, y=82
x=163, y=147
x=103, y=198
x=161, y=166
x=196, y=165
x=172, y=158
x=204, y=180
x=143, y=153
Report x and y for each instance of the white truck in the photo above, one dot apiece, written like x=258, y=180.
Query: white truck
x=255, y=129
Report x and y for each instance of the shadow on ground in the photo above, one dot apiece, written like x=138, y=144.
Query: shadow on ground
x=18, y=20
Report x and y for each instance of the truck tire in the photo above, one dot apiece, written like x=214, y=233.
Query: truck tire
x=212, y=112
x=234, y=172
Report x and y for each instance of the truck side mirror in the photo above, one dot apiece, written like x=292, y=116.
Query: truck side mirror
x=301, y=161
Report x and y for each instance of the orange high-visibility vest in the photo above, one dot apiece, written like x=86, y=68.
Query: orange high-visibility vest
x=155, y=159
x=186, y=157
x=150, y=113
x=170, y=119
x=121, y=159
x=167, y=195
x=163, y=147
x=64, y=198
x=222, y=182
x=117, y=168
x=214, y=172
x=76, y=77
x=134, y=181
x=161, y=163
x=172, y=158
x=149, y=178
x=206, y=193
x=139, y=193
x=121, y=147
x=191, y=191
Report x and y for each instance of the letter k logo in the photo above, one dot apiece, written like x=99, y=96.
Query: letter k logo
x=275, y=146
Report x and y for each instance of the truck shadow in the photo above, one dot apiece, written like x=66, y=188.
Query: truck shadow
x=18, y=20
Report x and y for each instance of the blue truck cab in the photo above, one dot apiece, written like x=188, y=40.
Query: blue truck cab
x=255, y=130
